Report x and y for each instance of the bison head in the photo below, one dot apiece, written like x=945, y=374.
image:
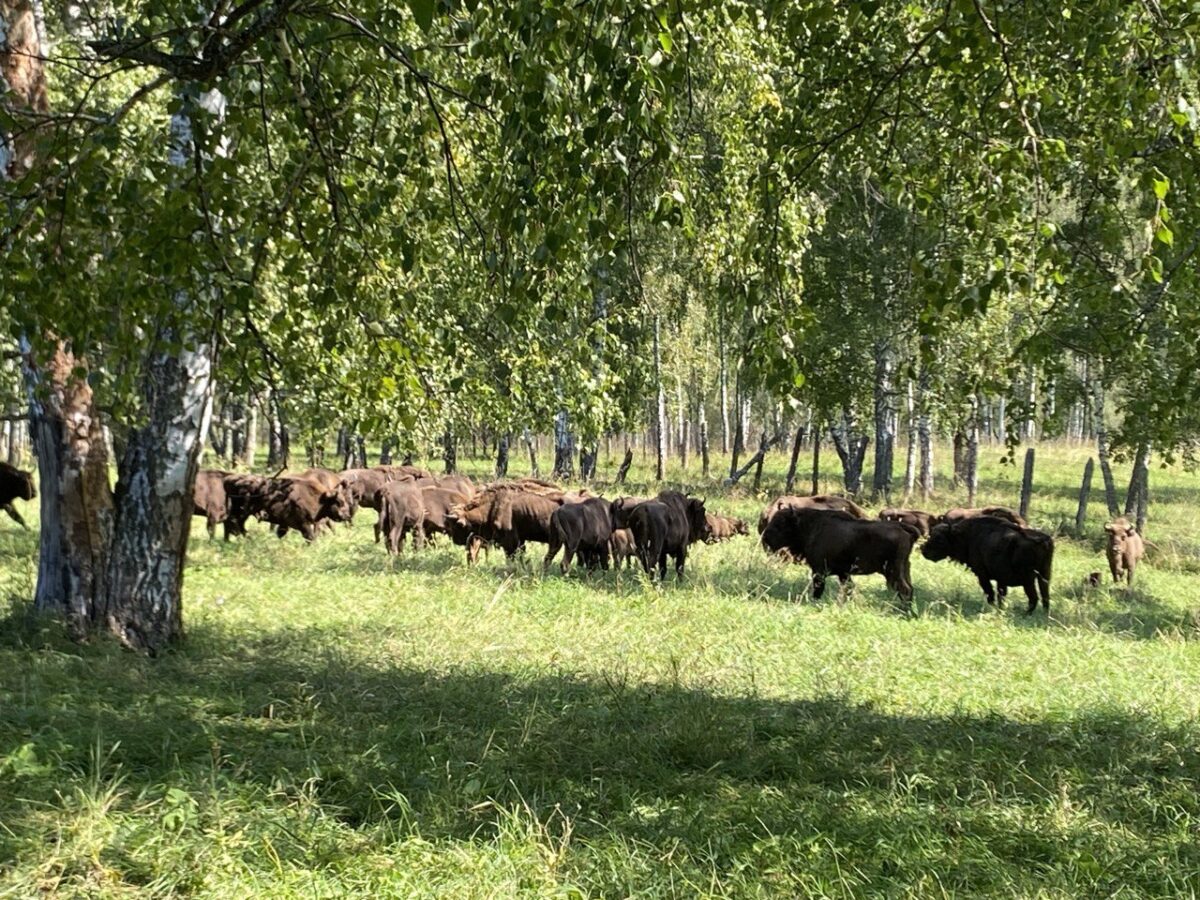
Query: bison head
x=697, y=520
x=1119, y=531
x=940, y=544
x=27, y=488
x=338, y=505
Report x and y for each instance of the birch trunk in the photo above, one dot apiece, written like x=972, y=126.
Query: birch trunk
x=885, y=430
x=910, y=454
x=1102, y=452
x=660, y=415
x=971, y=457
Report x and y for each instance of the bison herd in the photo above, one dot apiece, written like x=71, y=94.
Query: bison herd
x=833, y=535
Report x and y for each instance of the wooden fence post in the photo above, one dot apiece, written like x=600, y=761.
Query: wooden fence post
x=1027, y=483
x=1085, y=490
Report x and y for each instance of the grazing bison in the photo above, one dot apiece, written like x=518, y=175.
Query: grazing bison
x=209, y=499
x=996, y=550
x=401, y=512
x=722, y=528
x=460, y=483
x=1124, y=549
x=835, y=542
x=959, y=513
x=303, y=504
x=918, y=519
x=816, y=501
x=15, y=485
x=583, y=528
x=622, y=547
x=363, y=487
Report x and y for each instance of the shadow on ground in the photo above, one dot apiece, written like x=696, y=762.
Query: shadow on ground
x=693, y=777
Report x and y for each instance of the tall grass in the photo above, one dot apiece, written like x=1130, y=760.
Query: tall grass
x=340, y=724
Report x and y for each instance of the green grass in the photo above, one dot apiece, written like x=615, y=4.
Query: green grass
x=338, y=724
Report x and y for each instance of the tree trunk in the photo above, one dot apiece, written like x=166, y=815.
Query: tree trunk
x=449, y=452
x=1030, y=429
x=76, y=500
x=702, y=431
x=756, y=461
x=791, y=472
x=385, y=451
x=1141, y=466
x=723, y=377
x=23, y=77
x=221, y=432
x=885, y=422
x=1085, y=493
x=681, y=432
x=279, y=447
x=910, y=453
x=564, y=448
x=533, y=461
x=971, y=456
x=1101, y=424
x=660, y=414
x=249, y=433
x=960, y=458
x=502, y=455
x=816, y=457
x=924, y=436
x=154, y=501
x=1027, y=484
x=623, y=471
x=851, y=449
x=739, y=435
x=587, y=462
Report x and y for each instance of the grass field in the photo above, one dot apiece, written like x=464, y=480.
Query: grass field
x=339, y=724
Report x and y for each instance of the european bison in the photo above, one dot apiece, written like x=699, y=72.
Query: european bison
x=835, y=542
x=583, y=528
x=460, y=483
x=363, y=487
x=401, y=512
x=15, y=485
x=662, y=527
x=505, y=515
x=303, y=504
x=996, y=550
x=959, y=513
x=245, y=496
x=816, y=501
x=1125, y=549
x=722, y=528
x=918, y=519
x=438, y=502
x=209, y=500
x=621, y=547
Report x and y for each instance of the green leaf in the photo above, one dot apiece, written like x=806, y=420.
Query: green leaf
x=422, y=11
x=1162, y=184
x=1164, y=235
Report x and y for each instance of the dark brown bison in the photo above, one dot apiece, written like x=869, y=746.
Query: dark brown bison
x=303, y=504
x=918, y=519
x=622, y=547
x=1124, y=548
x=245, y=496
x=438, y=502
x=583, y=528
x=401, y=512
x=662, y=527
x=996, y=550
x=505, y=515
x=363, y=487
x=834, y=542
x=960, y=513
x=816, y=501
x=15, y=485
x=209, y=500
x=723, y=528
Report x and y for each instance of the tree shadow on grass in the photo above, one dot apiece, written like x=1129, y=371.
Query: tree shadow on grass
x=752, y=787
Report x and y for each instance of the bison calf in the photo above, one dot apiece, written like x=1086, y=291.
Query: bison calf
x=401, y=512
x=1124, y=549
x=998, y=551
x=834, y=542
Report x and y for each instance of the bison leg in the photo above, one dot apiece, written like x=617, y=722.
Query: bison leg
x=662, y=565
x=552, y=547
x=680, y=559
x=568, y=555
x=418, y=537
x=474, y=542
x=378, y=526
x=280, y=530
x=1044, y=587
x=14, y=515
x=210, y=525
x=989, y=592
x=818, y=585
x=1031, y=593
x=603, y=554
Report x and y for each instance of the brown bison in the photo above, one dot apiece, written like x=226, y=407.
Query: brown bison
x=505, y=515
x=401, y=512
x=835, y=542
x=583, y=528
x=996, y=550
x=209, y=499
x=918, y=519
x=15, y=484
x=438, y=502
x=622, y=547
x=460, y=483
x=1124, y=548
x=303, y=504
x=722, y=528
x=816, y=501
x=960, y=513
x=363, y=487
